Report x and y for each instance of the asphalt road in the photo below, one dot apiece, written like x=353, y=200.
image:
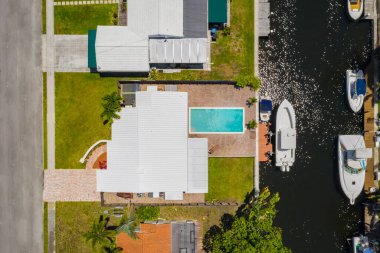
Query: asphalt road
x=21, y=178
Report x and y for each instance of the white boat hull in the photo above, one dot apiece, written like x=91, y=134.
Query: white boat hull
x=285, y=136
x=351, y=184
x=355, y=104
x=355, y=14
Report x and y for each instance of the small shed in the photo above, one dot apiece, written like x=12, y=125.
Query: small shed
x=217, y=12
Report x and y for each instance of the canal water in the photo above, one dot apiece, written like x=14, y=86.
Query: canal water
x=304, y=60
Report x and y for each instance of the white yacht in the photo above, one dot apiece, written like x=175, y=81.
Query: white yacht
x=285, y=136
x=265, y=109
x=352, y=161
x=355, y=8
x=355, y=89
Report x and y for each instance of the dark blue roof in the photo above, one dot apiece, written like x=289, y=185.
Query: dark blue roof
x=265, y=105
x=360, y=87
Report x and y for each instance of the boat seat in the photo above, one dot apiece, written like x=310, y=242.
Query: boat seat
x=363, y=153
x=287, y=138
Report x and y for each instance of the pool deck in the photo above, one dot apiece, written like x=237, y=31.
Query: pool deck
x=222, y=95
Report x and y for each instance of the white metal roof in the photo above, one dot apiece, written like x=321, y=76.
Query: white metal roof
x=120, y=49
x=156, y=17
x=189, y=50
x=197, y=180
x=149, y=148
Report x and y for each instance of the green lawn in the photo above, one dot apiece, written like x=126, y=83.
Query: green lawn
x=44, y=118
x=233, y=54
x=43, y=6
x=77, y=115
x=45, y=227
x=229, y=179
x=78, y=19
x=208, y=215
x=72, y=220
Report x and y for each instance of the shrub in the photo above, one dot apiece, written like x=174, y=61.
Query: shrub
x=226, y=31
x=248, y=81
x=147, y=213
x=252, y=124
x=153, y=74
x=252, y=100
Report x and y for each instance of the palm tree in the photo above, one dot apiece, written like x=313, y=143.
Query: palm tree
x=112, y=248
x=128, y=225
x=252, y=100
x=111, y=106
x=99, y=234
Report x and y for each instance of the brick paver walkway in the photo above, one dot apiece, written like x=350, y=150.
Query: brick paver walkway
x=64, y=3
x=70, y=185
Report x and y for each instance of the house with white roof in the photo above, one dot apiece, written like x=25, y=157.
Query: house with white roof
x=160, y=34
x=150, y=150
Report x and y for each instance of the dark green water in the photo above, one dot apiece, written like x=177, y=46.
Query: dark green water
x=304, y=61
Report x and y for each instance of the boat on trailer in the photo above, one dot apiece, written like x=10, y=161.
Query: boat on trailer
x=355, y=89
x=355, y=9
x=352, y=162
x=286, y=135
x=266, y=108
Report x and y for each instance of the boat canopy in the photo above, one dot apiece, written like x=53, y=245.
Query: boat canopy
x=265, y=105
x=360, y=87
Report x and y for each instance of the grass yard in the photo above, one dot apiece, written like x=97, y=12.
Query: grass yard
x=233, y=54
x=73, y=219
x=44, y=118
x=230, y=179
x=45, y=227
x=208, y=215
x=43, y=16
x=78, y=19
x=77, y=115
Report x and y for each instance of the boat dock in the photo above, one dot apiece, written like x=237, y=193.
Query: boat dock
x=264, y=20
x=265, y=146
x=369, y=9
x=369, y=134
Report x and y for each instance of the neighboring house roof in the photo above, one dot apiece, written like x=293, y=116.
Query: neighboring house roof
x=178, y=50
x=163, y=237
x=195, y=15
x=150, y=149
x=217, y=11
x=156, y=17
x=126, y=48
x=118, y=48
x=152, y=238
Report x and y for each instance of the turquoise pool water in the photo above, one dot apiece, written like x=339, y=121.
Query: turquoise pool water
x=216, y=120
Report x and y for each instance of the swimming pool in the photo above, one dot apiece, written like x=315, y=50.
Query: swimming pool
x=216, y=120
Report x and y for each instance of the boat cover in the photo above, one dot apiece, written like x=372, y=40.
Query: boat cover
x=265, y=105
x=360, y=87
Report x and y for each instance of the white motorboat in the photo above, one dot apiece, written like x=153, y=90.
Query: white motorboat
x=355, y=8
x=352, y=161
x=285, y=136
x=265, y=109
x=355, y=89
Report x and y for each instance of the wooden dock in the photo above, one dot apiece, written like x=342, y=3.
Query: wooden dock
x=264, y=20
x=369, y=133
x=265, y=146
x=369, y=9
